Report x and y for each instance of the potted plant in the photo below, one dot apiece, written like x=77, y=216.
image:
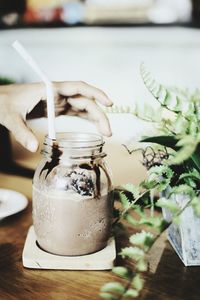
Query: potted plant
x=172, y=183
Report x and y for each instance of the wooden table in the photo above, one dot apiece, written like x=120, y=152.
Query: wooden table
x=167, y=278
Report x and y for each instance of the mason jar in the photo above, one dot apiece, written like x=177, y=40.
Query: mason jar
x=72, y=202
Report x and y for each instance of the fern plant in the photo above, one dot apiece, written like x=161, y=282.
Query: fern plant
x=174, y=163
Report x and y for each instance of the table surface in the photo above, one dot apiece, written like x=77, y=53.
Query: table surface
x=166, y=279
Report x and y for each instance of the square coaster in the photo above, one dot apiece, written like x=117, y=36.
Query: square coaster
x=35, y=258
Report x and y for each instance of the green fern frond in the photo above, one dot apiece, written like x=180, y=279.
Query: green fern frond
x=194, y=174
x=164, y=96
x=183, y=189
x=142, y=239
x=188, y=145
x=134, y=253
x=134, y=190
x=126, y=203
x=145, y=113
x=116, y=109
x=159, y=177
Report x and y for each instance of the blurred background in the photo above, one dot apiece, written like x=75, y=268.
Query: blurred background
x=103, y=43
x=29, y=12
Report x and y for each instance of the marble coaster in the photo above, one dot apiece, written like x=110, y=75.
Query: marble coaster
x=35, y=258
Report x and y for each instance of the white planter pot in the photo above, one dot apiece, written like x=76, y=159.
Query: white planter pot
x=185, y=237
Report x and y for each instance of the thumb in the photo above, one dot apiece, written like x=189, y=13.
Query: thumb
x=21, y=132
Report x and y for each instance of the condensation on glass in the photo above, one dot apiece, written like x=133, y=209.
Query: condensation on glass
x=72, y=202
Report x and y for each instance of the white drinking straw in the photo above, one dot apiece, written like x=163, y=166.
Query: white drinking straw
x=49, y=87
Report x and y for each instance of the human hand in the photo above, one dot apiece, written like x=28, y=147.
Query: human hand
x=74, y=98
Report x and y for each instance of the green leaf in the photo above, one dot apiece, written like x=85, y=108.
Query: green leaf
x=107, y=296
x=160, y=171
x=143, y=239
x=196, y=206
x=134, y=253
x=178, y=106
x=115, y=287
x=166, y=141
x=132, y=189
x=160, y=177
x=147, y=113
x=194, y=174
x=163, y=185
x=168, y=98
x=142, y=265
x=122, y=272
x=179, y=124
x=156, y=222
x=191, y=178
x=164, y=96
x=187, y=146
x=183, y=189
x=139, y=210
x=124, y=200
x=196, y=157
x=131, y=293
x=149, y=185
x=131, y=220
x=118, y=109
x=169, y=204
x=189, y=181
x=137, y=282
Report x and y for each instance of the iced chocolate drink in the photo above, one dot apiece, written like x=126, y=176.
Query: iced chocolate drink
x=72, y=206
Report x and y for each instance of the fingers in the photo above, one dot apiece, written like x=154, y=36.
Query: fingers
x=94, y=112
x=72, y=88
x=21, y=132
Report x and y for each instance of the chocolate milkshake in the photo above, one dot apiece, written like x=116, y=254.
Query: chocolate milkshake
x=70, y=224
x=72, y=206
